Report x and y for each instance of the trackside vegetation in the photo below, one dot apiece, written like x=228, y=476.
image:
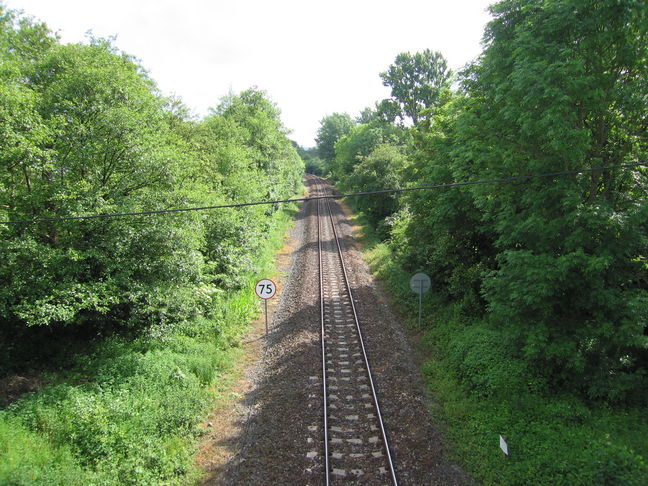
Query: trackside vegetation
x=122, y=329
x=538, y=323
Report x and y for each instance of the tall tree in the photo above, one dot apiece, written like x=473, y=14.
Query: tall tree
x=417, y=82
x=360, y=142
x=557, y=263
x=332, y=128
x=561, y=85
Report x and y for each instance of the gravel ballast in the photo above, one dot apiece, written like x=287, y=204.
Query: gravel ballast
x=278, y=420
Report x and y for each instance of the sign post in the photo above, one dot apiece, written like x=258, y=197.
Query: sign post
x=420, y=283
x=266, y=289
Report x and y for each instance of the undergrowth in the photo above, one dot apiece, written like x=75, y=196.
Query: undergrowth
x=483, y=392
x=128, y=411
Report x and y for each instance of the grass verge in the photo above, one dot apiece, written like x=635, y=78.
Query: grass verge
x=128, y=413
x=483, y=393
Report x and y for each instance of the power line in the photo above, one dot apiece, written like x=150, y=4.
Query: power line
x=331, y=196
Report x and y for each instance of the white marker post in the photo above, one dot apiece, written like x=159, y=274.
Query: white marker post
x=504, y=445
x=420, y=283
x=266, y=289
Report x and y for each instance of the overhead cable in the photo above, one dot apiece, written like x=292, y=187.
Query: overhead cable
x=330, y=196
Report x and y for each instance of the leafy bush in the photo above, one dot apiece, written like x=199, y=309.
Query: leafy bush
x=485, y=362
x=132, y=320
x=27, y=458
x=552, y=439
x=381, y=169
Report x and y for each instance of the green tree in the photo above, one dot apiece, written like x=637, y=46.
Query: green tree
x=263, y=132
x=417, y=82
x=332, y=128
x=381, y=169
x=245, y=153
x=556, y=263
x=360, y=142
x=99, y=144
x=442, y=231
x=560, y=86
x=310, y=156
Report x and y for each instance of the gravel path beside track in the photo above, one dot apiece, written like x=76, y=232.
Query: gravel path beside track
x=280, y=418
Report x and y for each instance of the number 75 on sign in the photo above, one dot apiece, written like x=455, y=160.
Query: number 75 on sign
x=266, y=289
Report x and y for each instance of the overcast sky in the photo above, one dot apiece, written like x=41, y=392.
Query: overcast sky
x=312, y=57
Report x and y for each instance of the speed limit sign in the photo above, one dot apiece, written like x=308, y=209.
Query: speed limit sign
x=266, y=289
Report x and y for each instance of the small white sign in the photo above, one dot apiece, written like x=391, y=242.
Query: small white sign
x=503, y=445
x=265, y=289
x=420, y=283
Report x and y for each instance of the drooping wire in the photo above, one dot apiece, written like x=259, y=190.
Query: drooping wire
x=330, y=196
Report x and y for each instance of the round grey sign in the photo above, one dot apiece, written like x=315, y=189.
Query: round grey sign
x=420, y=283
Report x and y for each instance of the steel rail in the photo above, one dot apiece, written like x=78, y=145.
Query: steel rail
x=324, y=387
x=361, y=341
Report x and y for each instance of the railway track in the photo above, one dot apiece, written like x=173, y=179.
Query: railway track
x=356, y=450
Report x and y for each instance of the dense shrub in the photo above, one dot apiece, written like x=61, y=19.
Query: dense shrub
x=84, y=131
x=555, y=263
x=130, y=321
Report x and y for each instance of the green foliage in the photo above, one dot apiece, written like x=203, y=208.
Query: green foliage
x=332, y=128
x=85, y=132
x=552, y=440
x=556, y=264
x=132, y=421
x=100, y=145
x=312, y=161
x=483, y=389
x=442, y=231
x=128, y=411
x=417, y=83
x=568, y=248
x=27, y=459
x=381, y=169
x=372, y=157
x=360, y=142
x=540, y=304
x=130, y=320
x=258, y=125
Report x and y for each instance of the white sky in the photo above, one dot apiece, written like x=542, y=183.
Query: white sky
x=313, y=58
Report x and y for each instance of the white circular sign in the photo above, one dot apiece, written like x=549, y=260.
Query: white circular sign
x=266, y=288
x=420, y=283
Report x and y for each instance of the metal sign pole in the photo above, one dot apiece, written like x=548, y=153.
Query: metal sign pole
x=420, y=303
x=420, y=283
x=265, y=289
